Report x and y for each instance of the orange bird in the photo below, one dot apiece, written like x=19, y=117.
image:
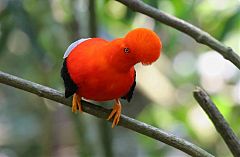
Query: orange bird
x=102, y=70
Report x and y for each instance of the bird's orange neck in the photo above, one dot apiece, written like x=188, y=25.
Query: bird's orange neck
x=117, y=59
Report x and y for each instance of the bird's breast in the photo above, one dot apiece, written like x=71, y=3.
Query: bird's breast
x=106, y=85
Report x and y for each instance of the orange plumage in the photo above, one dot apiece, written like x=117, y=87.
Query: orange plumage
x=103, y=70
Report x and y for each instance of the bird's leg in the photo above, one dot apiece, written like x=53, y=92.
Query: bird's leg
x=76, y=103
x=116, y=111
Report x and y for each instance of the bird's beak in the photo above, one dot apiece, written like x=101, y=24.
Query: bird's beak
x=146, y=63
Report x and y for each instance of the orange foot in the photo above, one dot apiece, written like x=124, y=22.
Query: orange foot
x=76, y=103
x=116, y=111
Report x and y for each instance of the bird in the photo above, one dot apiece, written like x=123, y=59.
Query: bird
x=101, y=70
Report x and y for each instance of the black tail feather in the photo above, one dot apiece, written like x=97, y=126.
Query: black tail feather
x=70, y=86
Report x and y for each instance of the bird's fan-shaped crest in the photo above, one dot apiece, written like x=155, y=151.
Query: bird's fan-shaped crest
x=145, y=43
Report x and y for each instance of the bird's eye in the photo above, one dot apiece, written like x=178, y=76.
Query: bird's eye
x=126, y=50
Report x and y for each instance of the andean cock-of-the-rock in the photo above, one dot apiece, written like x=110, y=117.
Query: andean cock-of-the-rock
x=102, y=70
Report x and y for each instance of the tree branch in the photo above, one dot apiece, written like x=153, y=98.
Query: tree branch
x=101, y=112
x=199, y=35
x=218, y=120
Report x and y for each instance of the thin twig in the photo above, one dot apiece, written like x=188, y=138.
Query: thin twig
x=218, y=120
x=199, y=35
x=101, y=112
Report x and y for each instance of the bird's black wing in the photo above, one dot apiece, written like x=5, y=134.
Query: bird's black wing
x=129, y=95
x=70, y=86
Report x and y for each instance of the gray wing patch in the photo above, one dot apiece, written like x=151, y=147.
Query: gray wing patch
x=73, y=45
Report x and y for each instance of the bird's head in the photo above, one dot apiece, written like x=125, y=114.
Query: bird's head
x=143, y=45
x=138, y=46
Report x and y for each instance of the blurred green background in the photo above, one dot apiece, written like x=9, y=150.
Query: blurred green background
x=34, y=35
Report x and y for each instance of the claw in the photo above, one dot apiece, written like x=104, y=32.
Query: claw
x=117, y=112
x=76, y=103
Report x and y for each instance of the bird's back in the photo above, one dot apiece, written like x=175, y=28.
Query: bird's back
x=96, y=79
